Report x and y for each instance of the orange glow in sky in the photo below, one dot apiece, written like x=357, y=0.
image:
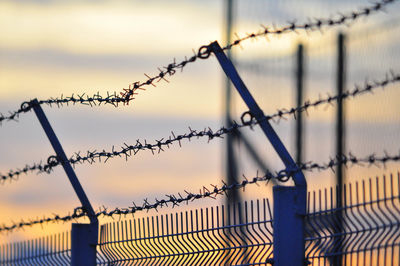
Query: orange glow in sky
x=53, y=48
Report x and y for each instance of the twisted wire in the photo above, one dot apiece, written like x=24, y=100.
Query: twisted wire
x=93, y=100
x=317, y=24
x=213, y=190
x=368, y=87
x=128, y=150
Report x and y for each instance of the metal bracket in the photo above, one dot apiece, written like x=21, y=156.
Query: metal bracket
x=256, y=111
x=289, y=202
x=84, y=236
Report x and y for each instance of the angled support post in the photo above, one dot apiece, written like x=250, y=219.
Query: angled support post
x=289, y=202
x=253, y=153
x=84, y=236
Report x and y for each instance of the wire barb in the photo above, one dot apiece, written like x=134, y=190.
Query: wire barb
x=213, y=190
x=203, y=52
x=247, y=120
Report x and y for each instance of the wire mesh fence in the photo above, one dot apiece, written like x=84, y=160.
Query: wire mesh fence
x=210, y=236
x=353, y=224
x=365, y=231
x=50, y=250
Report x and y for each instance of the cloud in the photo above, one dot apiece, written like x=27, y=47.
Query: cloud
x=114, y=28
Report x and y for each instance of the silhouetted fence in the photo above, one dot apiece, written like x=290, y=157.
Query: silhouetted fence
x=50, y=250
x=345, y=225
x=210, y=236
x=369, y=233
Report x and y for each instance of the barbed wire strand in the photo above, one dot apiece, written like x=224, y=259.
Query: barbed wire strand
x=127, y=151
x=212, y=191
x=316, y=24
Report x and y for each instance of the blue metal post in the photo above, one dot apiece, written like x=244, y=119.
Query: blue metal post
x=84, y=236
x=287, y=236
x=288, y=227
x=256, y=111
x=83, y=249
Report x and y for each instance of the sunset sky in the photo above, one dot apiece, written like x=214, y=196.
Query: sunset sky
x=50, y=48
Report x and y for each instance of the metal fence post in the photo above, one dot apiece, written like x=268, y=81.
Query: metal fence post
x=288, y=226
x=340, y=141
x=83, y=236
x=292, y=248
x=83, y=249
x=230, y=162
x=299, y=101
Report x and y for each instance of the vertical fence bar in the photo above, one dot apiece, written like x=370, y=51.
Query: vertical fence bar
x=340, y=136
x=230, y=159
x=340, y=126
x=299, y=100
x=83, y=236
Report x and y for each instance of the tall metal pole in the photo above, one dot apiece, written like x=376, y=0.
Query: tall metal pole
x=340, y=136
x=340, y=123
x=230, y=161
x=299, y=98
x=233, y=196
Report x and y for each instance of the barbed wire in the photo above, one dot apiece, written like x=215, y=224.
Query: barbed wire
x=127, y=151
x=213, y=191
x=94, y=100
x=369, y=87
x=317, y=24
